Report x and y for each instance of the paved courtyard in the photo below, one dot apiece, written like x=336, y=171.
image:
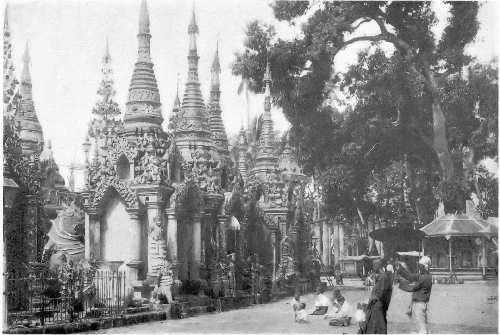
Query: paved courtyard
x=468, y=308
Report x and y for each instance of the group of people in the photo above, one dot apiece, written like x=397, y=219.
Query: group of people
x=372, y=317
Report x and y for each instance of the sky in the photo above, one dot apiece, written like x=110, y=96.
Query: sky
x=67, y=40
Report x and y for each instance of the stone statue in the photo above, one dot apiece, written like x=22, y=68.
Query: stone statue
x=163, y=290
x=65, y=236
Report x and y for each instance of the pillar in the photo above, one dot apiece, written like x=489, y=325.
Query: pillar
x=172, y=239
x=221, y=236
x=133, y=259
x=275, y=244
x=340, y=239
x=92, y=235
x=196, y=247
x=449, y=254
x=156, y=241
x=325, y=256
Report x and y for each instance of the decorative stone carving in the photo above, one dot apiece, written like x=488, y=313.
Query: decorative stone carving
x=124, y=190
x=120, y=146
x=156, y=229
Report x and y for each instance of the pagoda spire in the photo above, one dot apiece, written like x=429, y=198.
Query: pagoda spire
x=192, y=101
x=266, y=159
x=106, y=110
x=30, y=129
x=242, y=151
x=177, y=101
x=217, y=129
x=143, y=105
x=192, y=126
x=172, y=124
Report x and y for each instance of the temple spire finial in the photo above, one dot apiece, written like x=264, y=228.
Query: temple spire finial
x=26, y=75
x=193, y=26
x=107, y=54
x=6, y=18
x=144, y=18
x=215, y=71
x=177, y=101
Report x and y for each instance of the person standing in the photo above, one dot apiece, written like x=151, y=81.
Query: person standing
x=376, y=312
x=420, y=285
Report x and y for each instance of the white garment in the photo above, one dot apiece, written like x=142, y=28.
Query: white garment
x=359, y=316
x=301, y=315
x=322, y=300
x=344, y=311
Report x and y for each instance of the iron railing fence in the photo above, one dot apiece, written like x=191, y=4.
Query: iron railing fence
x=47, y=298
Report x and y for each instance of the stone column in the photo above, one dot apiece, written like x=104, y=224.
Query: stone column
x=325, y=256
x=133, y=257
x=221, y=236
x=196, y=247
x=275, y=244
x=172, y=239
x=340, y=235
x=156, y=237
x=92, y=235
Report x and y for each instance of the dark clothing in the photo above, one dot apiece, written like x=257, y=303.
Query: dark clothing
x=376, y=313
x=421, y=286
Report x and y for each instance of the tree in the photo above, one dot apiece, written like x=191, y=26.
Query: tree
x=421, y=66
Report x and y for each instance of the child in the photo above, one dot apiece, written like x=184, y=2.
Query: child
x=360, y=315
x=295, y=304
x=301, y=314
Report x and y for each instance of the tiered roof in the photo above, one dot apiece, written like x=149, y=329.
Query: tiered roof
x=143, y=106
x=216, y=124
x=31, y=133
x=266, y=159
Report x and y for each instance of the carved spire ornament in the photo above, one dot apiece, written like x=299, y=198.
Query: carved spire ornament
x=143, y=105
x=216, y=124
x=242, y=152
x=26, y=119
x=192, y=126
x=266, y=159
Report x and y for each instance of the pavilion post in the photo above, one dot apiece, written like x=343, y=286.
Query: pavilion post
x=449, y=252
x=483, y=258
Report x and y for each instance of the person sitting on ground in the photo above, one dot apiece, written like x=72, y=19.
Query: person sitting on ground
x=301, y=314
x=322, y=302
x=342, y=308
x=295, y=304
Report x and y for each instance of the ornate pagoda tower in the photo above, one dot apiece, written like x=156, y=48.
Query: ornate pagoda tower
x=30, y=130
x=217, y=129
x=266, y=159
x=192, y=130
x=242, y=154
x=143, y=112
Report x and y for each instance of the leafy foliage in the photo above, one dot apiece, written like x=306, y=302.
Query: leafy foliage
x=413, y=106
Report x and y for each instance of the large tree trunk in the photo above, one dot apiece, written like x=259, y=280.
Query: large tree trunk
x=439, y=127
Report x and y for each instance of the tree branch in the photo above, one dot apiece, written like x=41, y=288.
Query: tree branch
x=365, y=20
x=361, y=39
